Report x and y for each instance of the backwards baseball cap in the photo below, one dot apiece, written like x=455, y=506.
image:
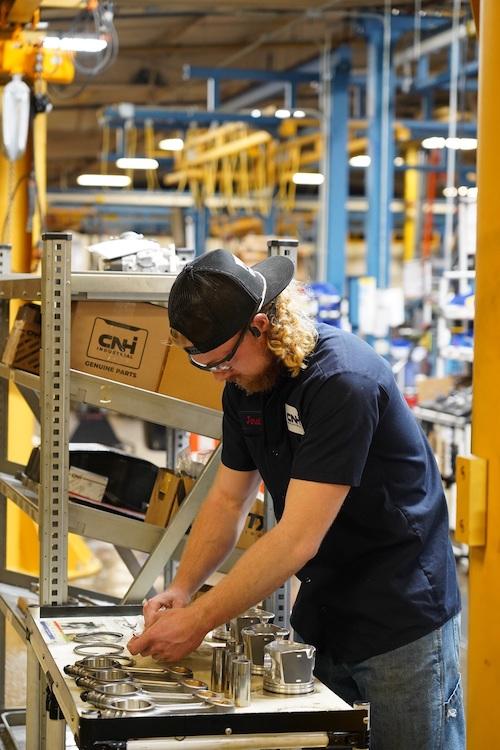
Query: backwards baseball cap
x=217, y=295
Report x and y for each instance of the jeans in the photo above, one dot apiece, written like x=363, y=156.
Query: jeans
x=415, y=692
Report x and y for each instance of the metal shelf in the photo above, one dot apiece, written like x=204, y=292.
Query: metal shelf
x=131, y=401
x=116, y=285
x=102, y=285
x=460, y=353
x=440, y=417
x=9, y=596
x=20, y=286
x=90, y=522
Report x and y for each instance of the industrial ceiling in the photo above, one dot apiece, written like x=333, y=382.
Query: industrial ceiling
x=156, y=39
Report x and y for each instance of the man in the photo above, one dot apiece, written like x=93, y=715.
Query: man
x=361, y=515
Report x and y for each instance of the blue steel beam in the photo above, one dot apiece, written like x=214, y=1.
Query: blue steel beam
x=435, y=127
x=441, y=80
x=380, y=173
x=337, y=171
x=115, y=116
x=249, y=74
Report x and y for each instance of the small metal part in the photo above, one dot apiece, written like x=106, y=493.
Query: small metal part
x=240, y=680
x=101, y=636
x=194, y=685
x=112, y=674
x=218, y=664
x=92, y=663
x=179, y=671
x=98, y=649
x=124, y=704
x=125, y=661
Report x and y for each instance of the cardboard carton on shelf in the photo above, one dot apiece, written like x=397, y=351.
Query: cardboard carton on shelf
x=254, y=526
x=168, y=493
x=22, y=348
x=185, y=382
x=122, y=341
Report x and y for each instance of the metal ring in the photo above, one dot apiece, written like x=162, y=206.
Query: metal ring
x=98, y=635
x=125, y=661
x=111, y=649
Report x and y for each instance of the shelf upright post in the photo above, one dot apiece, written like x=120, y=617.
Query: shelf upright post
x=54, y=465
x=4, y=423
x=41, y=730
x=55, y=390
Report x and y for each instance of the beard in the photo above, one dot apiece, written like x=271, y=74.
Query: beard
x=261, y=383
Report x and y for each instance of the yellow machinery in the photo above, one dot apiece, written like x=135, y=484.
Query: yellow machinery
x=22, y=54
x=478, y=477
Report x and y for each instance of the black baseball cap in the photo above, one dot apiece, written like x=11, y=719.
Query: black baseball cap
x=217, y=295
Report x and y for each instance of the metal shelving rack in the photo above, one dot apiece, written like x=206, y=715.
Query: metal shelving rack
x=50, y=507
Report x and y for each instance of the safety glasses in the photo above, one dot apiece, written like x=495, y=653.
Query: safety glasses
x=221, y=364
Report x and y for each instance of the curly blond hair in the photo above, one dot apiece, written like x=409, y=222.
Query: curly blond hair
x=292, y=335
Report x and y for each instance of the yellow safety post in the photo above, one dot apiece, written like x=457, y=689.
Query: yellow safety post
x=483, y=673
x=22, y=536
x=411, y=195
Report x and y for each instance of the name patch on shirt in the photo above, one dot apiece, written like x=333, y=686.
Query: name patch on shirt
x=293, y=420
x=253, y=422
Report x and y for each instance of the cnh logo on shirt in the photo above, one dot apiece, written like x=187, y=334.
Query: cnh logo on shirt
x=293, y=420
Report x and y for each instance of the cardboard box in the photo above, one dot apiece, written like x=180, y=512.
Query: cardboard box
x=123, y=341
x=428, y=389
x=22, y=348
x=168, y=493
x=185, y=382
x=254, y=526
x=86, y=484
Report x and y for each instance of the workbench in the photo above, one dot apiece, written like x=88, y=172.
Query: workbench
x=319, y=719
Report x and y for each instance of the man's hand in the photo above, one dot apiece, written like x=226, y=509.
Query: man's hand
x=172, y=598
x=173, y=634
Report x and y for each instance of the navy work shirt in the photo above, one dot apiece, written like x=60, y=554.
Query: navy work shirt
x=385, y=573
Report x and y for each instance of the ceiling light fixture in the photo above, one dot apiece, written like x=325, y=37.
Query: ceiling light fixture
x=457, y=144
x=434, y=142
x=361, y=160
x=75, y=43
x=103, y=180
x=171, y=144
x=137, y=162
x=255, y=113
x=282, y=114
x=467, y=144
x=308, y=178
x=299, y=114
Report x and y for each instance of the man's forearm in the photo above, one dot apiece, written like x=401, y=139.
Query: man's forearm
x=263, y=568
x=212, y=537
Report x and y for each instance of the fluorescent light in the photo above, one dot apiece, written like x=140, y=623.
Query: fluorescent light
x=468, y=144
x=457, y=144
x=255, y=113
x=104, y=180
x=399, y=161
x=308, y=178
x=171, y=144
x=75, y=43
x=434, y=142
x=282, y=114
x=361, y=160
x=472, y=192
x=463, y=191
x=450, y=192
x=136, y=163
x=299, y=113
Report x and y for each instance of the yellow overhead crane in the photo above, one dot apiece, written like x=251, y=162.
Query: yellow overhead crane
x=22, y=54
